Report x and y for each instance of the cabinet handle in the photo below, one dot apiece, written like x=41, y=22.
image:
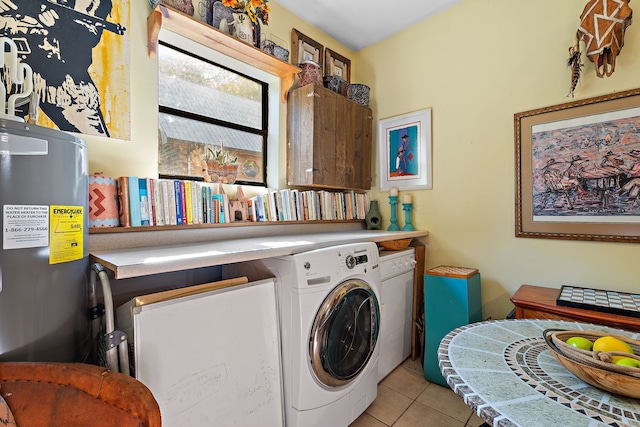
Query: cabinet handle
x=312, y=170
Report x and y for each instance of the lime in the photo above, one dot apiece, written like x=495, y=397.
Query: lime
x=580, y=342
x=629, y=361
x=612, y=344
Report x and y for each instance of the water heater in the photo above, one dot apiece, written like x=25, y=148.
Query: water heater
x=44, y=255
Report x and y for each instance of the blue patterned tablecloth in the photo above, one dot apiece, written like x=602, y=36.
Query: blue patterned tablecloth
x=506, y=373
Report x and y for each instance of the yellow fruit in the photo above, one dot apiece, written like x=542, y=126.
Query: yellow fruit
x=580, y=342
x=612, y=344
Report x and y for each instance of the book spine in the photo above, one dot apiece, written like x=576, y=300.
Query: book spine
x=198, y=217
x=134, y=201
x=210, y=219
x=188, y=201
x=151, y=189
x=123, y=201
x=178, y=199
x=144, y=202
x=225, y=208
x=183, y=201
x=171, y=202
x=165, y=202
x=158, y=202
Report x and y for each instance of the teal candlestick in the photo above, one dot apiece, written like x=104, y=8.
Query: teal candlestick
x=393, y=201
x=406, y=207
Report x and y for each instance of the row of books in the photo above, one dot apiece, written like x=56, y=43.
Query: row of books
x=159, y=202
x=309, y=205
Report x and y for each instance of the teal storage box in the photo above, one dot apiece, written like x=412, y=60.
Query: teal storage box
x=452, y=298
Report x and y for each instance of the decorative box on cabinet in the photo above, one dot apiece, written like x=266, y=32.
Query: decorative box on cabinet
x=329, y=140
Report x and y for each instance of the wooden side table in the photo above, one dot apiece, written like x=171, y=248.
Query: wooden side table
x=536, y=302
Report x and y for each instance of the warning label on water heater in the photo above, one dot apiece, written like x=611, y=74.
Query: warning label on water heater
x=25, y=226
x=66, y=234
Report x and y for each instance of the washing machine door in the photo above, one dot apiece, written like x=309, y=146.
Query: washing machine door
x=344, y=333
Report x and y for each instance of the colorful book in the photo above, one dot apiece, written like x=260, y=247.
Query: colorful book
x=178, y=201
x=134, y=201
x=151, y=190
x=144, y=202
x=219, y=207
x=183, y=201
x=188, y=201
x=123, y=201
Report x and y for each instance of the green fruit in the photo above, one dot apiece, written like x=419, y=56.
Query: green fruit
x=629, y=361
x=580, y=342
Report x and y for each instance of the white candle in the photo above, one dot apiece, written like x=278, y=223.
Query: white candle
x=406, y=198
x=393, y=191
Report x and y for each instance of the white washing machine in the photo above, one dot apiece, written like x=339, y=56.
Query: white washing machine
x=330, y=321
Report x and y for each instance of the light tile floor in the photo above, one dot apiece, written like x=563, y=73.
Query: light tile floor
x=406, y=398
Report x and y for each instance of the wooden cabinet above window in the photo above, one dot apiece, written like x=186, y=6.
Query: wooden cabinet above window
x=329, y=140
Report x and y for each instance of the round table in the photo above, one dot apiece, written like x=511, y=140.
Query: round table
x=506, y=373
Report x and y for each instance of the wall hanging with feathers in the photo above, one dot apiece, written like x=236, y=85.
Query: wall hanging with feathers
x=602, y=27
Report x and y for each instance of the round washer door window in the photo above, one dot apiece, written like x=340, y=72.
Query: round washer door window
x=344, y=333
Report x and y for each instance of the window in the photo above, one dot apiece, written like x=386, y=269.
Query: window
x=213, y=121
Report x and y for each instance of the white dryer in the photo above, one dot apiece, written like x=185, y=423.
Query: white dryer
x=329, y=320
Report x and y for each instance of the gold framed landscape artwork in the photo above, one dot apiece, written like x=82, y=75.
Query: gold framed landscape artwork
x=578, y=169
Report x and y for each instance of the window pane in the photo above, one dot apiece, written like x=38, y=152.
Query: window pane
x=186, y=143
x=196, y=86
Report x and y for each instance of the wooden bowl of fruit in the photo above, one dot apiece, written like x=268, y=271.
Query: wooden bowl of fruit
x=609, y=362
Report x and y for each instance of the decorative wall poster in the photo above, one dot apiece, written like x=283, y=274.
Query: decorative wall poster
x=79, y=53
x=405, y=151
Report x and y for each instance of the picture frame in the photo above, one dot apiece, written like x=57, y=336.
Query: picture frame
x=578, y=170
x=304, y=48
x=337, y=65
x=405, y=151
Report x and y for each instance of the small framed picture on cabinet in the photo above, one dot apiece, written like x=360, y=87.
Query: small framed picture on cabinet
x=305, y=49
x=337, y=65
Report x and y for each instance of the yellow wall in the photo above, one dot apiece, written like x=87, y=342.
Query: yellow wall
x=140, y=155
x=476, y=65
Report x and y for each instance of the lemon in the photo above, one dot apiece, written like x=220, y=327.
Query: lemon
x=629, y=361
x=580, y=342
x=612, y=344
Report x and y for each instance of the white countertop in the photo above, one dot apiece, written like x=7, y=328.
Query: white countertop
x=143, y=261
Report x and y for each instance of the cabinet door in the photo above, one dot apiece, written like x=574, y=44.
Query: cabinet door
x=358, y=148
x=329, y=140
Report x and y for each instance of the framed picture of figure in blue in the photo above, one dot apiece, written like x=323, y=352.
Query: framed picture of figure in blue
x=405, y=151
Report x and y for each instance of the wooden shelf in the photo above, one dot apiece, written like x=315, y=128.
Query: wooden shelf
x=107, y=230
x=168, y=18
